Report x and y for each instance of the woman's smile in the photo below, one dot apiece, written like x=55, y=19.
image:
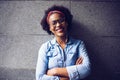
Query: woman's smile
x=59, y=29
x=58, y=25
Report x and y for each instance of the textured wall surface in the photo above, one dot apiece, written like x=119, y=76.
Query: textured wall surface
x=96, y=22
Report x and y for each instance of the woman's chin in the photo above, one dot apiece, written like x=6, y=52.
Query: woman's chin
x=61, y=34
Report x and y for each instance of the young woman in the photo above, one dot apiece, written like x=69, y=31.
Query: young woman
x=62, y=58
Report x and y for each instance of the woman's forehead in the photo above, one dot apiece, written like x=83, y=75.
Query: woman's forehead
x=55, y=16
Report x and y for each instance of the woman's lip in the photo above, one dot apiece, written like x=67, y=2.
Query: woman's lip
x=60, y=29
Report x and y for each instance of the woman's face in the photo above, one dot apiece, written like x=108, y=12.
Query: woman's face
x=58, y=25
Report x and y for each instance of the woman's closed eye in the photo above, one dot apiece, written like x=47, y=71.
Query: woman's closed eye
x=60, y=21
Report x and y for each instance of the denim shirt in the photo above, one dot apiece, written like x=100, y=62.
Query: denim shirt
x=51, y=55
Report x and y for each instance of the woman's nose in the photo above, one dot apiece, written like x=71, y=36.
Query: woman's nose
x=58, y=24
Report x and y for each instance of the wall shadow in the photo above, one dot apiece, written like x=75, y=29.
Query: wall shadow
x=99, y=69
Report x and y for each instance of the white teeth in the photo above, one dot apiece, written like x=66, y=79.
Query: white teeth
x=59, y=29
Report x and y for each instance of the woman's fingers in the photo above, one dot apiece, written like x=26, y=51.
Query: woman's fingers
x=79, y=60
x=51, y=72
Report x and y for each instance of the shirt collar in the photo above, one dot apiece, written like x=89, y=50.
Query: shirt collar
x=54, y=42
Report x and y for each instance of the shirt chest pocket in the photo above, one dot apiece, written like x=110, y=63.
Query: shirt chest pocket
x=53, y=59
x=52, y=53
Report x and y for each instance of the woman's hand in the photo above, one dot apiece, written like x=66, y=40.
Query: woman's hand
x=52, y=72
x=79, y=60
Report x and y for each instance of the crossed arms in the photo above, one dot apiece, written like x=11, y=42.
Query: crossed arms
x=62, y=72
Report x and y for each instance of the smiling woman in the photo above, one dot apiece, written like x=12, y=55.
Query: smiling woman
x=62, y=58
x=58, y=26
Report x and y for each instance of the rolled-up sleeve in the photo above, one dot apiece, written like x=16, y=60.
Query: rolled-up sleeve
x=41, y=66
x=73, y=73
x=77, y=72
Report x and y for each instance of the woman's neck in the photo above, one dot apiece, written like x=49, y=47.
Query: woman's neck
x=62, y=41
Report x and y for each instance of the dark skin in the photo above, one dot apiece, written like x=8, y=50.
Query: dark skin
x=59, y=29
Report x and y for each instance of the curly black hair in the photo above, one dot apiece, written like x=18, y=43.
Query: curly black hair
x=64, y=10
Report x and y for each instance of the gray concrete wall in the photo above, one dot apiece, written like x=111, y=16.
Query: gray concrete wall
x=97, y=22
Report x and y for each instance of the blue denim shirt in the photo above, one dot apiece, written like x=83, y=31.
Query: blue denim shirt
x=51, y=55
